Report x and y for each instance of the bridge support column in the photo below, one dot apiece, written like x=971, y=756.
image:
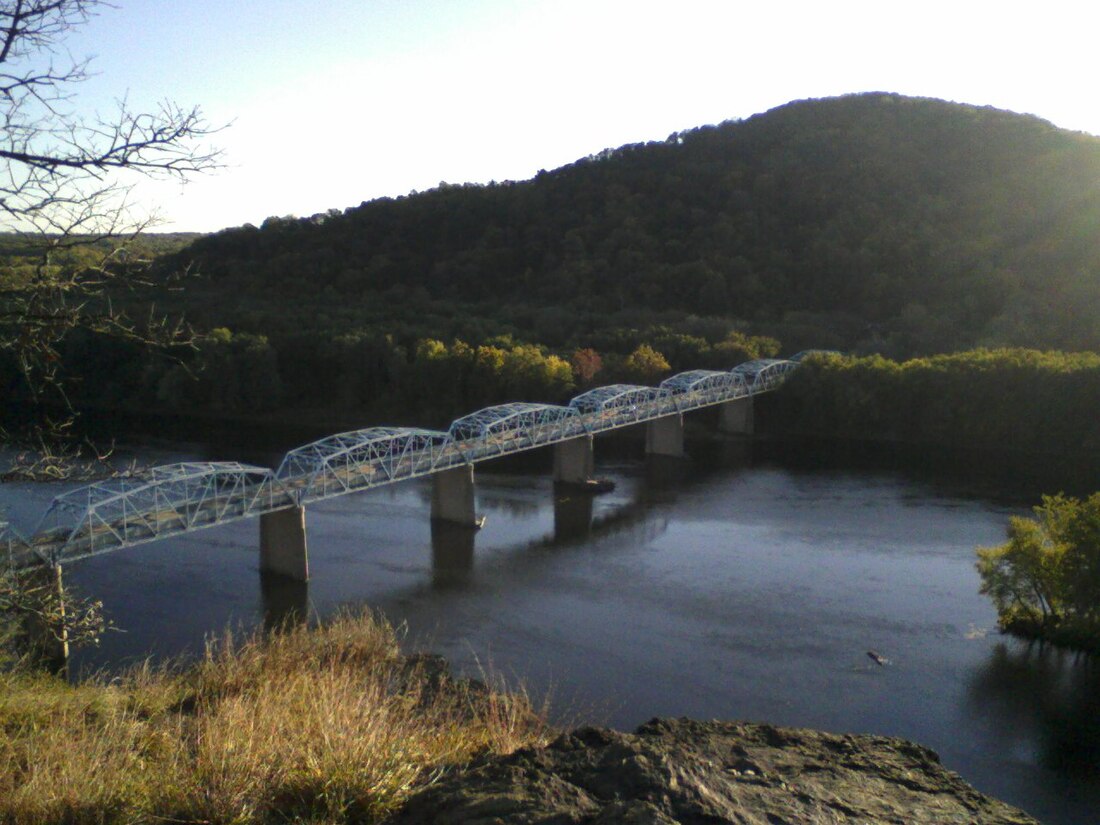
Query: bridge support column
x=285, y=601
x=452, y=555
x=665, y=436
x=453, y=496
x=736, y=416
x=573, y=460
x=283, y=543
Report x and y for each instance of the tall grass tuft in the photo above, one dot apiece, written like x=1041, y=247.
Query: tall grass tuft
x=324, y=725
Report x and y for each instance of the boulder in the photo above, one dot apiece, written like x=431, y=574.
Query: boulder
x=686, y=771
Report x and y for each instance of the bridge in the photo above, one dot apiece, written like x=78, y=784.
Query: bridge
x=180, y=498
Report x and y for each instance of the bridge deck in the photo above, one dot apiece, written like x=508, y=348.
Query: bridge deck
x=177, y=499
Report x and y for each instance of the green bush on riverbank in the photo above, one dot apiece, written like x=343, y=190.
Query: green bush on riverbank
x=1000, y=399
x=1045, y=580
x=312, y=725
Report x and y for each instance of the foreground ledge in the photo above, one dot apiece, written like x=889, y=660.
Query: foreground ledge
x=684, y=771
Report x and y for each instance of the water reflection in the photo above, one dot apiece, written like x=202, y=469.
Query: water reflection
x=1039, y=696
x=664, y=473
x=498, y=498
x=726, y=453
x=494, y=492
x=572, y=514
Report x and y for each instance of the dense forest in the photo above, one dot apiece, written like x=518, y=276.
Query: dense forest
x=868, y=223
x=1007, y=399
x=899, y=224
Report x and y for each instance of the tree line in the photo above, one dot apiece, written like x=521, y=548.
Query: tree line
x=370, y=374
x=998, y=399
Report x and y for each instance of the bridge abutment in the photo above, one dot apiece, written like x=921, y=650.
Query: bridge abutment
x=453, y=496
x=574, y=461
x=665, y=436
x=283, y=543
x=736, y=416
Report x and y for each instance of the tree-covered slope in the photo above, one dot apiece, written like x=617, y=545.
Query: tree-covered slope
x=874, y=221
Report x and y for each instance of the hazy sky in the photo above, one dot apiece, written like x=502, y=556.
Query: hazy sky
x=338, y=101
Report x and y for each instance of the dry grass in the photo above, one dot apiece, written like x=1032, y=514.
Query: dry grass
x=324, y=725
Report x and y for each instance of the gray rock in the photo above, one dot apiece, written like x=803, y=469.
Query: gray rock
x=684, y=771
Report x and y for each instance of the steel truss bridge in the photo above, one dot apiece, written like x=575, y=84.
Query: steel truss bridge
x=171, y=500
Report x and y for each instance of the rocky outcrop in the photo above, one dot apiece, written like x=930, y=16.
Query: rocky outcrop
x=684, y=771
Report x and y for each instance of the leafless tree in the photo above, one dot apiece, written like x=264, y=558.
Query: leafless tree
x=65, y=177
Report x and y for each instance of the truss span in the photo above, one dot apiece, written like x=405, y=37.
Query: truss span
x=618, y=405
x=764, y=373
x=179, y=498
x=508, y=428
x=166, y=501
x=703, y=387
x=15, y=550
x=360, y=459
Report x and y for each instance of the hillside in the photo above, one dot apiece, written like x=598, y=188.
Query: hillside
x=870, y=221
x=867, y=223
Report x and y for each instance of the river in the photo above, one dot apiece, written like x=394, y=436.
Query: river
x=749, y=582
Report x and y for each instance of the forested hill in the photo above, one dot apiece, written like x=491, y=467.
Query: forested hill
x=868, y=221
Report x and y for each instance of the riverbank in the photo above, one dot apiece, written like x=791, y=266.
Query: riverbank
x=1080, y=641
x=329, y=724
x=333, y=724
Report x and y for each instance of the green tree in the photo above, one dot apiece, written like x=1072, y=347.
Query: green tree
x=1045, y=580
x=1022, y=575
x=645, y=365
x=530, y=374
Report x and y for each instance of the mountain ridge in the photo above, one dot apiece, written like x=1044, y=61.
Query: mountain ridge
x=920, y=224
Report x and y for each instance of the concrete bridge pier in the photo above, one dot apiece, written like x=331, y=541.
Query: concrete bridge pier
x=736, y=416
x=453, y=496
x=283, y=544
x=665, y=436
x=452, y=555
x=285, y=601
x=574, y=461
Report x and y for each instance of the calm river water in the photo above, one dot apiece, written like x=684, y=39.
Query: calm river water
x=746, y=583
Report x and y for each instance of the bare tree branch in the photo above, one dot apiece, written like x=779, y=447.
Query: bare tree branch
x=62, y=188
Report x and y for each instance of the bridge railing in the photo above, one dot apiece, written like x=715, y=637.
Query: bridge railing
x=619, y=405
x=511, y=427
x=360, y=459
x=168, y=500
x=16, y=551
x=179, y=498
x=765, y=373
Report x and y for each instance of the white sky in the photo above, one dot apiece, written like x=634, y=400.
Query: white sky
x=338, y=101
